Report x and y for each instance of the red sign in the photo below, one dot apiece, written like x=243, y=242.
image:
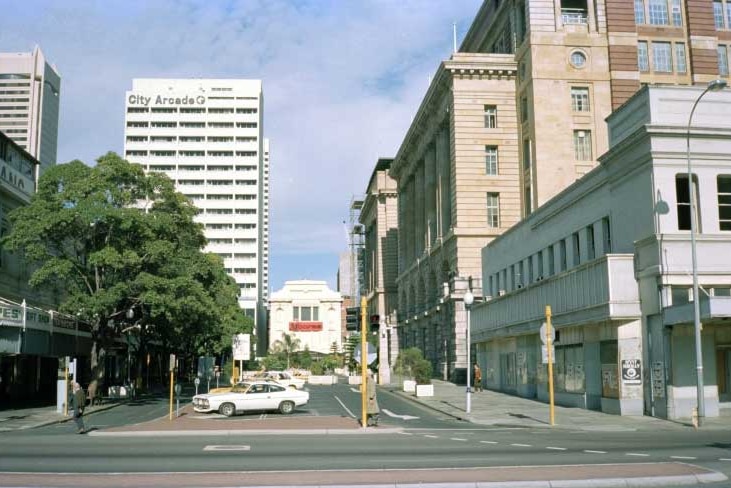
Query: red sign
x=305, y=326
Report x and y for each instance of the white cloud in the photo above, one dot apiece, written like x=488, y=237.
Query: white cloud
x=342, y=80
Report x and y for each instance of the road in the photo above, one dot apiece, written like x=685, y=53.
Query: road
x=416, y=438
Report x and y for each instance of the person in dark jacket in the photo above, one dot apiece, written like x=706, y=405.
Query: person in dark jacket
x=78, y=402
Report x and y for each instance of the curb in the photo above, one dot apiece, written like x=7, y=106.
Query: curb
x=202, y=433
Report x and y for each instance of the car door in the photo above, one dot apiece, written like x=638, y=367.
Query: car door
x=277, y=393
x=255, y=397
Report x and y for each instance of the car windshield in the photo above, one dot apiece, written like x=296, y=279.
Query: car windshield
x=240, y=388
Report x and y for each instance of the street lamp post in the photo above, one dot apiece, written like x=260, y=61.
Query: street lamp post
x=469, y=299
x=714, y=85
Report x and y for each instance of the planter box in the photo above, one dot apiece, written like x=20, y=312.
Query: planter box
x=322, y=379
x=354, y=380
x=424, y=390
x=409, y=386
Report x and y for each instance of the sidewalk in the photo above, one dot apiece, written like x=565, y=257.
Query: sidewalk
x=501, y=409
x=30, y=418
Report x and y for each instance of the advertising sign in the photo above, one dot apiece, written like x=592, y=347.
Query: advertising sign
x=305, y=326
x=631, y=372
x=241, y=345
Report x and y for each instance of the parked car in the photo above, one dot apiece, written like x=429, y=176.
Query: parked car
x=251, y=396
x=284, y=378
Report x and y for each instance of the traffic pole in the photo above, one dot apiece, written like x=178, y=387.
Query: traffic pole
x=363, y=362
x=66, y=388
x=549, y=345
x=171, y=394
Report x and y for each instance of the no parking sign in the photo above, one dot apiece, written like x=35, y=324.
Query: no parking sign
x=631, y=372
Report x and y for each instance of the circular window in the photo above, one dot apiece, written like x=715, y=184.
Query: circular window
x=578, y=59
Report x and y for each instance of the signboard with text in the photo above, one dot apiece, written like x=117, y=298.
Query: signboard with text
x=305, y=326
x=241, y=345
x=631, y=372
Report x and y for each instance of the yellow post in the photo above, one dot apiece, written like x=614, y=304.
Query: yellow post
x=363, y=361
x=171, y=395
x=549, y=345
x=66, y=385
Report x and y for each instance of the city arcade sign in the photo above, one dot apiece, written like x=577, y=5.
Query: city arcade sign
x=16, y=171
x=170, y=100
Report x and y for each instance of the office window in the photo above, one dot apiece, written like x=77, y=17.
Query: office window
x=718, y=14
x=722, y=60
x=639, y=12
x=677, y=14
x=539, y=265
x=491, y=160
x=493, y=210
x=527, y=199
x=576, y=240
x=580, y=99
x=490, y=116
x=523, y=109
x=607, y=235
x=680, y=63
x=590, y=242
x=562, y=255
x=728, y=13
x=582, y=145
x=723, y=184
x=662, y=59
x=551, y=261
x=643, y=61
x=658, y=12
x=682, y=197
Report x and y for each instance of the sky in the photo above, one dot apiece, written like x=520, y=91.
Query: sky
x=342, y=80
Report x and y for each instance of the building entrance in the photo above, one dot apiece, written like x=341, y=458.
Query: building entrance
x=723, y=372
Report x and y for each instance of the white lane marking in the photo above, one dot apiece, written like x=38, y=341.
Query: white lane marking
x=682, y=457
x=521, y=445
x=594, y=452
x=355, y=390
x=724, y=459
x=556, y=448
x=404, y=417
x=431, y=436
x=343, y=405
x=406, y=433
x=488, y=442
x=227, y=448
x=636, y=454
x=457, y=439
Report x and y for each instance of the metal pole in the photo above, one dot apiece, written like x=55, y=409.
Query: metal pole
x=363, y=362
x=171, y=394
x=549, y=345
x=714, y=85
x=468, y=406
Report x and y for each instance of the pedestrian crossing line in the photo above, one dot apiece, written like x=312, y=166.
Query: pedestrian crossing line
x=488, y=442
x=636, y=454
x=557, y=448
x=406, y=433
x=594, y=452
x=724, y=459
x=458, y=439
x=431, y=436
x=682, y=457
x=521, y=445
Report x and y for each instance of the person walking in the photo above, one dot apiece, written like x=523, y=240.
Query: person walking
x=78, y=402
x=477, y=375
x=372, y=409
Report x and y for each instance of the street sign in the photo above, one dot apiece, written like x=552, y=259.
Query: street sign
x=544, y=354
x=197, y=381
x=543, y=337
x=172, y=362
x=241, y=345
x=372, y=354
x=631, y=372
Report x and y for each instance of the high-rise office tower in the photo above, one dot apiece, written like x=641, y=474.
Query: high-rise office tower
x=29, y=97
x=206, y=135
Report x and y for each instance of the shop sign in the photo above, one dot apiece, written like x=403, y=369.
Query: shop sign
x=631, y=372
x=16, y=172
x=11, y=315
x=135, y=99
x=305, y=326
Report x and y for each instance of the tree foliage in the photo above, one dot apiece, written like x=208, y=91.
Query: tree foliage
x=111, y=238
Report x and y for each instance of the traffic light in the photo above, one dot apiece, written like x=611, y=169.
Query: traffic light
x=375, y=321
x=351, y=318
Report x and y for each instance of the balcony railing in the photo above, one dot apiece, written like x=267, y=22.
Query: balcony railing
x=598, y=290
x=574, y=16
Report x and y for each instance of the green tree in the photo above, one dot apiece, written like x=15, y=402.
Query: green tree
x=111, y=239
x=287, y=345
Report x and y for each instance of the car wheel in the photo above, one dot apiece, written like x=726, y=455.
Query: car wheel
x=286, y=408
x=227, y=409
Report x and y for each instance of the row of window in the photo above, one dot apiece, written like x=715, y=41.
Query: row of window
x=658, y=12
x=216, y=197
x=305, y=314
x=551, y=260
x=200, y=167
x=190, y=110
x=186, y=138
x=230, y=226
x=722, y=14
x=682, y=195
x=667, y=57
x=171, y=153
x=217, y=182
x=229, y=211
x=188, y=125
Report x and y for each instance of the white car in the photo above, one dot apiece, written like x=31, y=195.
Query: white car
x=252, y=395
x=284, y=378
